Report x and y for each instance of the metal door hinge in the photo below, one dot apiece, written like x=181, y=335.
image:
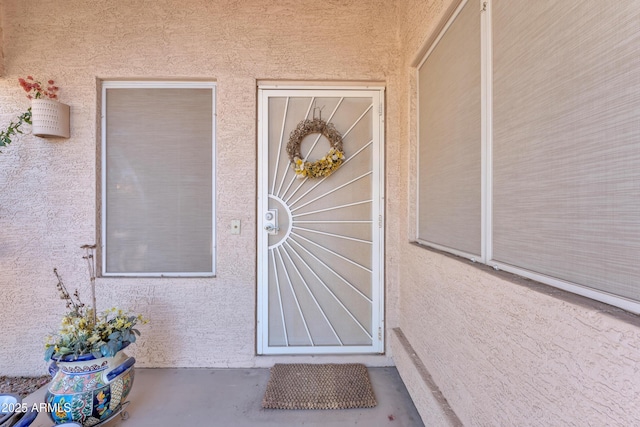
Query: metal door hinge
x=380, y=221
x=379, y=334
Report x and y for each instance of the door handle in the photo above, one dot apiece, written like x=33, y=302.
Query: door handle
x=271, y=221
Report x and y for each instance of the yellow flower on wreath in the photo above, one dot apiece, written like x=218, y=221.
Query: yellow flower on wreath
x=320, y=168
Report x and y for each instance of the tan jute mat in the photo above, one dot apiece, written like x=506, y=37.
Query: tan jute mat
x=319, y=386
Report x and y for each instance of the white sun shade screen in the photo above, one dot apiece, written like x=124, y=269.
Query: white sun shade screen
x=449, y=180
x=158, y=182
x=566, y=143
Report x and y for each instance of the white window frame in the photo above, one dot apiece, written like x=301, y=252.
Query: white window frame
x=132, y=84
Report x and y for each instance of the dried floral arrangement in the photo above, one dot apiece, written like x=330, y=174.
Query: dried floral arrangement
x=324, y=166
x=35, y=90
x=83, y=331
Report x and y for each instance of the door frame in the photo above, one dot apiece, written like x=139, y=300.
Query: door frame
x=376, y=92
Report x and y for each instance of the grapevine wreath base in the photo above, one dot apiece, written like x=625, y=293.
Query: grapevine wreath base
x=322, y=167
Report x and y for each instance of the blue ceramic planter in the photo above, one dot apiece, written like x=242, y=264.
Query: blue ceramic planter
x=26, y=420
x=15, y=413
x=89, y=390
x=9, y=406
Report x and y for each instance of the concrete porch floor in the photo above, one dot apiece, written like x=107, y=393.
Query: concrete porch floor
x=233, y=397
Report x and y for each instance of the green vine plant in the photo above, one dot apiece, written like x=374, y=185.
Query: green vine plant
x=14, y=128
x=35, y=90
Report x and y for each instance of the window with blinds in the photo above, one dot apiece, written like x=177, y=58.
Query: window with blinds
x=563, y=156
x=566, y=141
x=449, y=152
x=158, y=179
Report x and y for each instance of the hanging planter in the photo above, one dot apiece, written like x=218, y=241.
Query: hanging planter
x=47, y=116
x=50, y=118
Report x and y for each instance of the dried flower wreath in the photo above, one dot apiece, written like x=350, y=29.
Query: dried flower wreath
x=324, y=166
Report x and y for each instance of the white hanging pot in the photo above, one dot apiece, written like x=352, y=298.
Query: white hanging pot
x=49, y=118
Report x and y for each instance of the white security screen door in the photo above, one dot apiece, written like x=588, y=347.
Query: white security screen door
x=320, y=240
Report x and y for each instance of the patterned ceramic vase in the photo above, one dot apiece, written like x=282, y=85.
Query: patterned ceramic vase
x=89, y=390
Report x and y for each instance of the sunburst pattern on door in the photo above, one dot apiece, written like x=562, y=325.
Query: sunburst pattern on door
x=321, y=237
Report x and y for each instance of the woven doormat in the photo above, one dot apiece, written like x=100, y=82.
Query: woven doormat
x=324, y=386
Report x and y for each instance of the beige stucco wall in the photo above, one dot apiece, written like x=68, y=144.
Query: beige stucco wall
x=48, y=189
x=1, y=44
x=502, y=351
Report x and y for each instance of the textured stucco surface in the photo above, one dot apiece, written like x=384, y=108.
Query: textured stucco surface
x=502, y=351
x=48, y=188
x=1, y=44
x=426, y=394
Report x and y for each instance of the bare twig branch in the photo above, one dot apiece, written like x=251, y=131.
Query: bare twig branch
x=89, y=251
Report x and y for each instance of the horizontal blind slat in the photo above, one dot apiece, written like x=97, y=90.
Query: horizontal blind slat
x=449, y=204
x=159, y=180
x=566, y=143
